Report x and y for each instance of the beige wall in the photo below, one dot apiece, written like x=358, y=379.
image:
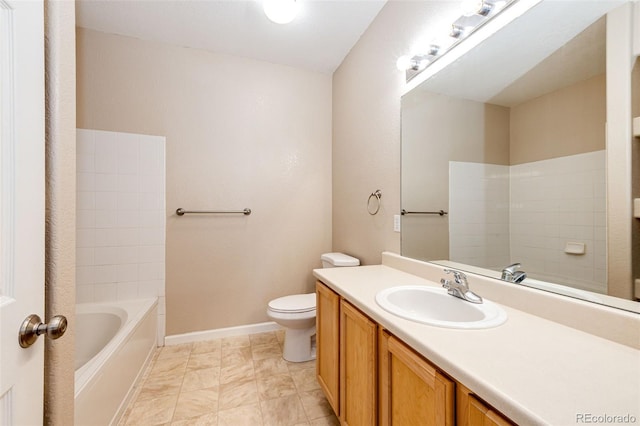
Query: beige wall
x=60, y=208
x=366, y=127
x=239, y=133
x=568, y=121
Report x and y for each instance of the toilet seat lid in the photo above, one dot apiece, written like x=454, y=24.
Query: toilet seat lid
x=294, y=303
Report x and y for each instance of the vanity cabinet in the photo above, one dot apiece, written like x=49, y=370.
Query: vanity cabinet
x=358, y=367
x=471, y=411
x=412, y=391
x=346, y=358
x=371, y=377
x=328, y=343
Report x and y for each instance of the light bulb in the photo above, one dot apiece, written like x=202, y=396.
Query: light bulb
x=418, y=63
x=476, y=7
x=280, y=11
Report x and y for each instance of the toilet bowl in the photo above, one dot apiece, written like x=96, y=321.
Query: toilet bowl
x=297, y=315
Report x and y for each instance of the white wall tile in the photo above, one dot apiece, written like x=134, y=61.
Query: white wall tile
x=105, y=162
x=127, y=201
x=150, y=183
x=105, y=218
x=128, y=219
x=85, y=219
x=107, y=182
x=105, y=274
x=151, y=254
x=478, y=210
x=85, y=182
x=85, y=256
x=85, y=293
x=85, y=163
x=118, y=256
x=152, y=219
x=127, y=272
x=570, y=210
x=128, y=255
x=127, y=236
x=106, y=200
x=85, y=142
x=128, y=183
x=150, y=201
x=151, y=236
x=85, y=275
x=105, y=237
x=85, y=200
x=151, y=271
x=151, y=288
x=127, y=290
x=106, y=292
x=85, y=237
x=107, y=255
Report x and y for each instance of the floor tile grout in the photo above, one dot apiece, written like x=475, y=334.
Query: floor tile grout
x=265, y=406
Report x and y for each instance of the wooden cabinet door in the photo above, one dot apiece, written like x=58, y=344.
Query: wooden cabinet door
x=413, y=391
x=358, y=367
x=473, y=412
x=328, y=343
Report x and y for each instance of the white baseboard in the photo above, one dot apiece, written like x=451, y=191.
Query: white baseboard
x=241, y=330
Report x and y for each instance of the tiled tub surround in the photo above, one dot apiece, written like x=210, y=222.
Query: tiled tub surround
x=527, y=213
x=120, y=218
x=554, y=202
x=236, y=381
x=479, y=214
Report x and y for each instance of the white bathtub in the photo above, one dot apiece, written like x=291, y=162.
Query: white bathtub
x=113, y=344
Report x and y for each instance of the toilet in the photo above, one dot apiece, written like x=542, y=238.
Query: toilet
x=297, y=315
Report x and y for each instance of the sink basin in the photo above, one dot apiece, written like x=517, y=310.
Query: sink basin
x=434, y=306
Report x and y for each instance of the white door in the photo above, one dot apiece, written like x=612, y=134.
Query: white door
x=21, y=207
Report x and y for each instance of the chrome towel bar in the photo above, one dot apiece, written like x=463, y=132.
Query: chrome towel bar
x=441, y=212
x=182, y=212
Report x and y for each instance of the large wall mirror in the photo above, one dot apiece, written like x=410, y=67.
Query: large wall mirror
x=504, y=155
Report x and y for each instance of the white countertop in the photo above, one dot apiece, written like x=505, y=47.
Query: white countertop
x=533, y=370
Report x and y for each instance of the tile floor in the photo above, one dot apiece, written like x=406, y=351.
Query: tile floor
x=234, y=381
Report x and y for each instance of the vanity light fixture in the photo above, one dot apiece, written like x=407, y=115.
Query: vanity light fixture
x=418, y=62
x=475, y=14
x=477, y=7
x=280, y=11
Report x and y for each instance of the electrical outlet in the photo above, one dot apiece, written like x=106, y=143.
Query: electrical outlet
x=396, y=223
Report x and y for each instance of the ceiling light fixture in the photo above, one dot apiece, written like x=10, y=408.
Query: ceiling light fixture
x=280, y=11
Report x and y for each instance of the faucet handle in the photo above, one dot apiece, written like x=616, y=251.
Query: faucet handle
x=512, y=268
x=460, y=277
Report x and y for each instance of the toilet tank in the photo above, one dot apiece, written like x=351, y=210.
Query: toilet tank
x=335, y=260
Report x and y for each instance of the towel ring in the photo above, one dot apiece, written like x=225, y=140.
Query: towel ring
x=377, y=195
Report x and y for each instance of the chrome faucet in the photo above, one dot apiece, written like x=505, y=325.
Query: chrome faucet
x=511, y=274
x=459, y=287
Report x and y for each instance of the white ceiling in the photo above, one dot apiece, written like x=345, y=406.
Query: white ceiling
x=318, y=39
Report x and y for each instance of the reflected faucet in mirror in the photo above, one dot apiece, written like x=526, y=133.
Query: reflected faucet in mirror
x=511, y=274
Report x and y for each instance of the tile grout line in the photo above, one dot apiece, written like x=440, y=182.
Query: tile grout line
x=184, y=373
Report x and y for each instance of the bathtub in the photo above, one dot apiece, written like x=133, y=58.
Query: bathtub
x=113, y=344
